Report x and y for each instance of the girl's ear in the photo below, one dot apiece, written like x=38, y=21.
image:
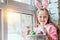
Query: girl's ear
x=38, y=4
x=45, y=3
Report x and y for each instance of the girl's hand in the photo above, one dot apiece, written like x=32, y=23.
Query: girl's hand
x=44, y=29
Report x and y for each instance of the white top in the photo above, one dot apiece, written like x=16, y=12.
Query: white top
x=38, y=29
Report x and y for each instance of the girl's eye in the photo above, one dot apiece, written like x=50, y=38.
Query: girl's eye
x=45, y=16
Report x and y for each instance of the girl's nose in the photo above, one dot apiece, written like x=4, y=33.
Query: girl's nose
x=42, y=18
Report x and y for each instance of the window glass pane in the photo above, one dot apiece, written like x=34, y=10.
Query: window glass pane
x=26, y=20
x=14, y=27
x=17, y=23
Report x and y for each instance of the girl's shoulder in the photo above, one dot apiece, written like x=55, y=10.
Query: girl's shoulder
x=50, y=24
x=51, y=27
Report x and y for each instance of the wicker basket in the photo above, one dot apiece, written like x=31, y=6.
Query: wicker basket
x=36, y=37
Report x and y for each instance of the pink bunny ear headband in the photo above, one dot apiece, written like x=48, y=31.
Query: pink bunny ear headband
x=41, y=4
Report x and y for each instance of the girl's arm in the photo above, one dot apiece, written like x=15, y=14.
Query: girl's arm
x=53, y=33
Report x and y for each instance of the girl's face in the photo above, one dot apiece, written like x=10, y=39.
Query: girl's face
x=43, y=17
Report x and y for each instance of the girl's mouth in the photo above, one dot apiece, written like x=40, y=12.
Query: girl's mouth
x=42, y=21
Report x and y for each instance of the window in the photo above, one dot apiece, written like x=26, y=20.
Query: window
x=16, y=23
x=1, y=1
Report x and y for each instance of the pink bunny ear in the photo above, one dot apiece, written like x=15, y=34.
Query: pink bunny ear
x=45, y=3
x=37, y=4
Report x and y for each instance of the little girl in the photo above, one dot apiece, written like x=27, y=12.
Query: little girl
x=45, y=26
